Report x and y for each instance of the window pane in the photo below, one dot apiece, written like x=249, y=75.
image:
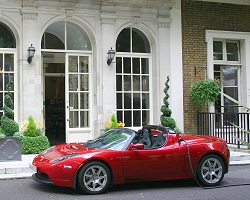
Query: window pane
x=127, y=101
x=118, y=65
x=128, y=118
x=1, y=62
x=7, y=39
x=1, y=100
x=232, y=51
x=127, y=65
x=145, y=83
x=136, y=101
x=84, y=64
x=144, y=66
x=8, y=62
x=54, y=36
x=84, y=78
x=77, y=39
x=136, y=118
x=73, y=64
x=139, y=42
x=119, y=101
x=118, y=83
x=51, y=41
x=217, y=49
x=73, y=82
x=136, y=83
x=145, y=117
x=73, y=119
x=119, y=116
x=123, y=41
x=84, y=100
x=127, y=83
x=7, y=80
x=73, y=100
x=136, y=66
x=230, y=76
x=145, y=101
x=1, y=83
x=230, y=106
x=84, y=119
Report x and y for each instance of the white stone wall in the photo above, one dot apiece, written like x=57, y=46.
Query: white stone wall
x=160, y=21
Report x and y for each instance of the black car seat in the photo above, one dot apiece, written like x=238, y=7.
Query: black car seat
x=145, y=139
x=159, y=141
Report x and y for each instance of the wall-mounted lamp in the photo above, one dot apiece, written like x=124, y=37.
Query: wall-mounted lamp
x=31, y=53
x=111, y=55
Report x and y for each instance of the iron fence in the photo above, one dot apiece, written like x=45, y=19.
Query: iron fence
x=223, y=125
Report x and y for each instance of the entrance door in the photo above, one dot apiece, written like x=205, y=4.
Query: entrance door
x=54, y=102
x=78, y=98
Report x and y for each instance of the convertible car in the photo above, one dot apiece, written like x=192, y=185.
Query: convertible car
x=123, y=155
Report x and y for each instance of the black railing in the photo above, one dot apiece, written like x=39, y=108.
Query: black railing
x=223, y=125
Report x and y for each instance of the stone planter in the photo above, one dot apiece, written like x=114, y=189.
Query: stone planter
x=10, y=149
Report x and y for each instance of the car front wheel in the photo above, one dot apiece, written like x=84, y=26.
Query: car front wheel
x=210, y=171
x=93, y=178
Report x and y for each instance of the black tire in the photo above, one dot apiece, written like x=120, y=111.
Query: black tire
x=210, y=171
x=93, y=178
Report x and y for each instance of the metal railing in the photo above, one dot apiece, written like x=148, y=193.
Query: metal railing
x=222, y=125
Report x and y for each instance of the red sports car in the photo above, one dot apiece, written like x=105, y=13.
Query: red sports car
x=123, y=155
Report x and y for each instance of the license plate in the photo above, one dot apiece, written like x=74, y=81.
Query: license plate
x=33, y=167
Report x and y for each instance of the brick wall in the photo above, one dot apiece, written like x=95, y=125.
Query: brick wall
x=197, y=17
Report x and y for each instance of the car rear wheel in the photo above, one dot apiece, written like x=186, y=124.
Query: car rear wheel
x=93, y=178
x=210, y=171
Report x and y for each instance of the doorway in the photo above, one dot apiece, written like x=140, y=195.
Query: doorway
x=54, y=80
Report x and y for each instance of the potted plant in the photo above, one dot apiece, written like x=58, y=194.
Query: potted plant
x=113, y=124
x=10, y=138
x=205, y=92
x=33, y=140
x=166, y=119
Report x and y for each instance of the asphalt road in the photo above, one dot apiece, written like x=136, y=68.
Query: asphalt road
x=27, y=189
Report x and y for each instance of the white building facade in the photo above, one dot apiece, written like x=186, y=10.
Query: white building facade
x=69, y=85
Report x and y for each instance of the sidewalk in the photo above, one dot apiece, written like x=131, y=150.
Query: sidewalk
x=21, y=169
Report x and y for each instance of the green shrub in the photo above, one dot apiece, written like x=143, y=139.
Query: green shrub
x=168, y=122
x=8, y=126
x=166, y=119
x=7, y=123
x=34, y=145
x=31, y=130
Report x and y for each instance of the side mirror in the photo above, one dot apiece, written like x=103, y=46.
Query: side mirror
x=136, y=146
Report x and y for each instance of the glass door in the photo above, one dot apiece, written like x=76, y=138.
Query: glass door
x=77, y=96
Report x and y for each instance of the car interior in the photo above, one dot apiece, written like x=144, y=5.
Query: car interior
x=149, y=139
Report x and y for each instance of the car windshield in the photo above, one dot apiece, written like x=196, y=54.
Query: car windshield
x=114, y=139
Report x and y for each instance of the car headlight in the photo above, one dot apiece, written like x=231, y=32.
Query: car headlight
x=65, y=157
x=47, y=150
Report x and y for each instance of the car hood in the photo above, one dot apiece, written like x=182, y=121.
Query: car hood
x=69, y=149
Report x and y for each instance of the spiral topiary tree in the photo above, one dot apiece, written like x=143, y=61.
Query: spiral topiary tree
x=7, y=123
x=166, y=119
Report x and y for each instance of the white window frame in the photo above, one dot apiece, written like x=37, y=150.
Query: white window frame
x=15, y=92
x=244, y=43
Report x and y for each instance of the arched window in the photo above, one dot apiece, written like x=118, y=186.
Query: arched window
x=74, y=38
x=7, y=39
x=7, y=43
x=132, y=77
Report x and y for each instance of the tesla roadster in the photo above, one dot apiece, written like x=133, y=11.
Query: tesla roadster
x=123, y=155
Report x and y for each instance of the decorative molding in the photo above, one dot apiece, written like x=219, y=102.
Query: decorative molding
x=107, y=20
x=29, y=14
x=164, y=24
x=136, y=20
x=69, y=12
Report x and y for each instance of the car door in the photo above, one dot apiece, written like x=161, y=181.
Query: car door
x=155, y=163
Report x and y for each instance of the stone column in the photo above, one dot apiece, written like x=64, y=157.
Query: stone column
x=107, y=73
x=30, y=74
